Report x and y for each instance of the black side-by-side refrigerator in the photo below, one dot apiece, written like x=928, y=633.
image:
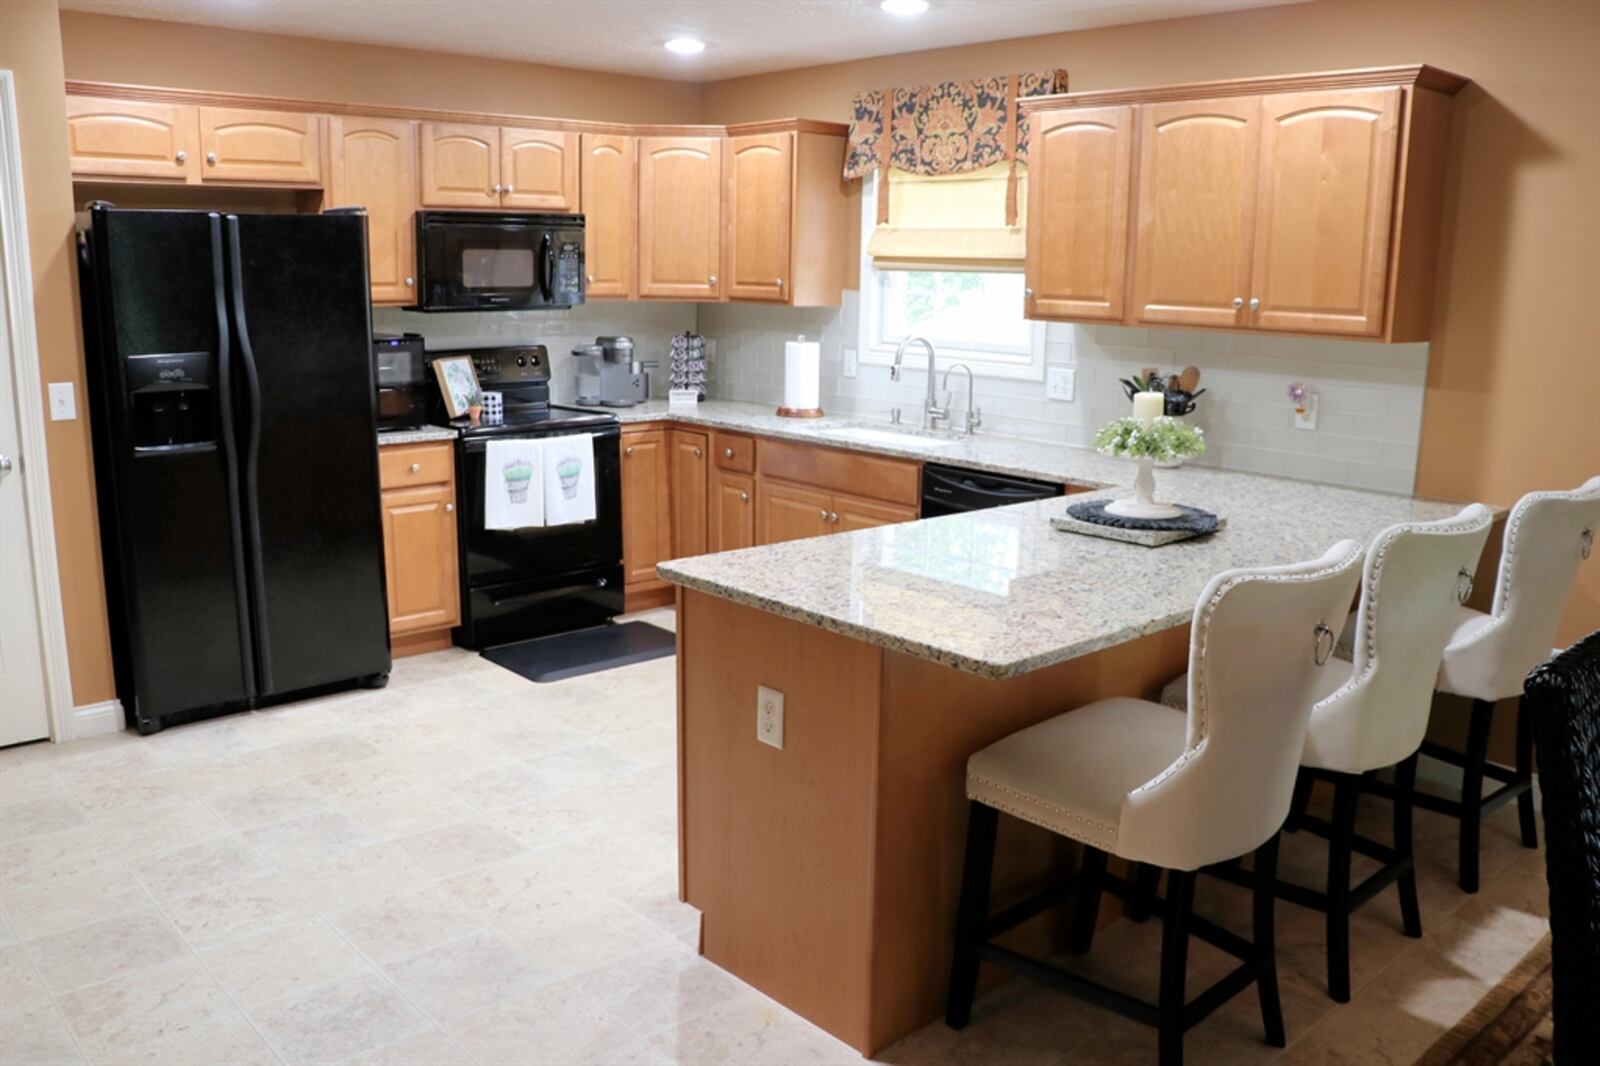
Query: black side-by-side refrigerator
x=236, y=461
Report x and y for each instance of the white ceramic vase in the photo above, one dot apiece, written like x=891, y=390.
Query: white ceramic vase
x=1144, y=504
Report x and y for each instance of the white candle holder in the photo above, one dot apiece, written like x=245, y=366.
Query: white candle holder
x=1144, y=504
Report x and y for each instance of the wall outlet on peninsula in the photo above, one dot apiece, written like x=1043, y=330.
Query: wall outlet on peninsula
x=769, y=716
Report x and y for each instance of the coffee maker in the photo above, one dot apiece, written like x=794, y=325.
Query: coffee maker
x=609, y=375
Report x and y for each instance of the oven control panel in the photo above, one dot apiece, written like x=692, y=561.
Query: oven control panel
x=509, y=365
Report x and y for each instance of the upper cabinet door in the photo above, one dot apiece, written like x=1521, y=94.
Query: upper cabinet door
x=610, y=213
x=128, y=139
x=539, y=169
x=1078, y=193
x=460, y=165
x=373, y=164
x=1326, y=202
x=760, y=213
x=680, y=217
x=1196, y=208
x=272, y=147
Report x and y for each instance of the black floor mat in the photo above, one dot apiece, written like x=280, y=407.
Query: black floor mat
x=583, y=651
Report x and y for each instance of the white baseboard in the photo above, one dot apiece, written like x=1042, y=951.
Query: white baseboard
x=95, y=719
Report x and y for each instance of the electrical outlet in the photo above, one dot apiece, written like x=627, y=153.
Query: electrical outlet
x=769, y=716
x=63, y=402
x=1305, y=415
x=849, y=362
x=1060, y=383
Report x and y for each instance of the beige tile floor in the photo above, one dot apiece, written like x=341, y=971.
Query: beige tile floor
x=468, y=868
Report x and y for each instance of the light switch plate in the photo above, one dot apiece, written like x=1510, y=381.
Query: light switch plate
x=1305, y=416
x=63, y=402
x=769, y=716
x=849, y=362
x=1061, y=383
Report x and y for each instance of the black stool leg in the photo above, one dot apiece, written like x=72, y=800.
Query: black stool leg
x=1345, y=792
x=1530, y=833
x=1145, y=880
x=1472, y=792
x=1405, y=783
x=970, y=914
x=1175, y=965
x=1087, y=906
x=1262, y=912
x=1302, y=799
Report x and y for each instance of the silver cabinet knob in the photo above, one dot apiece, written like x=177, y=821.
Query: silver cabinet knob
x=727, y=453
x=497, y=189
x=1028, y=293
x=628, y=450
x=834, y=517
x=779, y=282
x=744, y=497
x=589, y=278
x=416, y=468
x=182, y=156
x=712, y=280
x=5, y=465
x=449, y=507
x=697, y=453
x=823, y=514
x=211, y=157
x=510, y=189
x=1255, y=303
x=410, y=282
x=1238, y=302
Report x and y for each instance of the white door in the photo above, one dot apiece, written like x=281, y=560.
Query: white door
x=24, y=712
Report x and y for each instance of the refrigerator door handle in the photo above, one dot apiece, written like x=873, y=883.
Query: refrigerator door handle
x=252, y=455
x=230, y=451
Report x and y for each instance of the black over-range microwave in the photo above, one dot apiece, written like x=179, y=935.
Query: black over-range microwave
x=473, y=261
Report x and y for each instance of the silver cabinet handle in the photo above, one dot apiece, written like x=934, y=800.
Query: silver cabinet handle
x=182, y=156
x=834, y=517
x=416, y=468
x=1028, y=293
x=1238, y=302
x=628, y=450
x=823, y=514
x=744, y=497
x=727, y=453
x=712, y=280
x=589, y=278
x=5, y=465
x=211, y=157
x=780, y=283
x=510, y=189
x=1255, y=303
x=697, y=453
x=497, y=189
x=449, y=507
x=410, y=282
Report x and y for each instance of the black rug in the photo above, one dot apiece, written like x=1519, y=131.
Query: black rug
x=583, y=651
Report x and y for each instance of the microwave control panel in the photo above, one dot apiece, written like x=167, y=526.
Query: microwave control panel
x=567, y=283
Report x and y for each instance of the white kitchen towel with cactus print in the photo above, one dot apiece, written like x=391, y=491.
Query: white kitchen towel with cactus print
x=569, y=479
x=513, y=491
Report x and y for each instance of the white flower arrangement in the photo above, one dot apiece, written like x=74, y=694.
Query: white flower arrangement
x=1160, y=440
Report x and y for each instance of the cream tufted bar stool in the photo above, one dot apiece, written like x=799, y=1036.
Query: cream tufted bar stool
x=1371, y=713
x=1130, y=778
x=1488, y=656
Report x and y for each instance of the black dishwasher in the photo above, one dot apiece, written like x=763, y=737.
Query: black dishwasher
x=952, y=490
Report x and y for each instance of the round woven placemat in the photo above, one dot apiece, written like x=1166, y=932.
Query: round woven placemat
x=1193, y=519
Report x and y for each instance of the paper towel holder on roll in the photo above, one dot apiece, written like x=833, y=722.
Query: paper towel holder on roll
x=802, y=385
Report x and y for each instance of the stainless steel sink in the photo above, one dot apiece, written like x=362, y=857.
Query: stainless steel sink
x=893, y=438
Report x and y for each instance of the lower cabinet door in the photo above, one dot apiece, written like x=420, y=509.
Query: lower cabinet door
x=646, y=506
x=690, y=466
x=733, y=512
x=419, y=541
x=790, y=512
x=853, y=513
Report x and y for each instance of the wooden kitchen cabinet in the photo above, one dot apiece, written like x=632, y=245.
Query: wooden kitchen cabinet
x=646, y=512
x=610, y=196
x=255, y=147
x=539, y=169
x=852, y=512
x=759, y=205
x=690, y=491
x=109, y=138
x=786, y=511
x=460, y=165
x=372, y=163
x=1325, y=199
x=733, y=511
x=1306, y=204
x=418, y=493
x=806, y=491
x=1078, y=196
x=680, y=217
x=1195, y=210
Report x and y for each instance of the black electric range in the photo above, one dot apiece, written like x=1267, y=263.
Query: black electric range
x=532, y=582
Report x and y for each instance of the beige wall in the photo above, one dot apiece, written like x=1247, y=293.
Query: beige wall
x=30, y=47
x=145, y=52
x=1514, y=366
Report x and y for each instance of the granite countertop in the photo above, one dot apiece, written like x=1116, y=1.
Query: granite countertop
x=1000, y=592
x=415, y=436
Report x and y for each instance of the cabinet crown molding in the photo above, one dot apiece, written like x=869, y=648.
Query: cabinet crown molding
x=1415, y=75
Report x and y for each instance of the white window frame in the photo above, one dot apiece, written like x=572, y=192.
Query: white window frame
x=874, y=351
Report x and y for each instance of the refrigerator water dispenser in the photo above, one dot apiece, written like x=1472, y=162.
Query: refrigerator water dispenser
x=169, y=396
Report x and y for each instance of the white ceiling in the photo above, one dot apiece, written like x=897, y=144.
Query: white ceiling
x=625, y=36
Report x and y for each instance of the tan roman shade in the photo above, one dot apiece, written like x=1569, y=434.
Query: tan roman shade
x=951, y=221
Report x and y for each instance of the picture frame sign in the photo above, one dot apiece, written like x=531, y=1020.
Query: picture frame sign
x=458, y=383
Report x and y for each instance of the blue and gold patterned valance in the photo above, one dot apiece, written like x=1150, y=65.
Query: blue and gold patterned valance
x=949, y=128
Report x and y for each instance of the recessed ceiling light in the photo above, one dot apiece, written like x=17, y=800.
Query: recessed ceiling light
x=685, y=46
x=904, y=8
